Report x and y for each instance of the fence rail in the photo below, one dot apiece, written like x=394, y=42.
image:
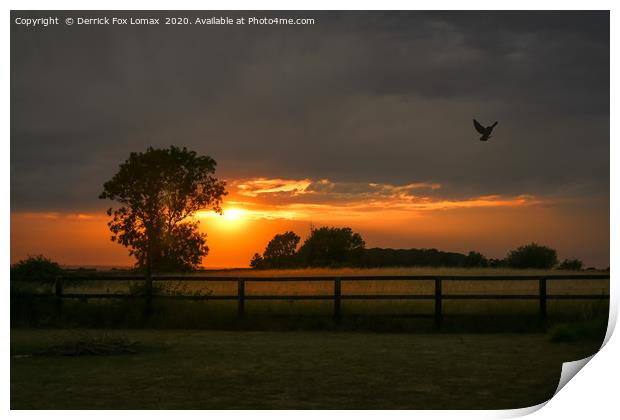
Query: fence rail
x=337, y=296
x=190, y=278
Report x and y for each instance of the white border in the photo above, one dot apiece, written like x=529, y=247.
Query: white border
x=310, y=5
x=591, y=394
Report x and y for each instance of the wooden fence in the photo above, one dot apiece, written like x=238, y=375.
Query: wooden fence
x=337, y=297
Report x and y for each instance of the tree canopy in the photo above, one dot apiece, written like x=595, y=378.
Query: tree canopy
x=475, y=259
x=326, y=246
x=279, y=253
x=532, y=256
x=158, y=192
x=330, y=246
x=36, y=268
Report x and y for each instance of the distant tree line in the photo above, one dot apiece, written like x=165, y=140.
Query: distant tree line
x=341, y=247
x=325, y=247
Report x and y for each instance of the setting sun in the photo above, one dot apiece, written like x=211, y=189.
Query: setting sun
x=233, y=214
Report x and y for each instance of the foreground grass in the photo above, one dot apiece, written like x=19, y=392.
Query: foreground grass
x=292, y=370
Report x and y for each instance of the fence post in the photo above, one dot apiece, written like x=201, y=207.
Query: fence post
x=438, y=311
x=58, y=289
x=337, y=300
x=542, y=293
x=148, y=288
x=241, y=297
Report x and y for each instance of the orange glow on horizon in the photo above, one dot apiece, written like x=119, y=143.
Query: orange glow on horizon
x=413, y=215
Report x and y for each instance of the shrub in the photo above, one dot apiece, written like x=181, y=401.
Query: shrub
x=571, y=264
x=593, y=329
x=532, y=256
x=497, y=263
x=36, y=268
x=257, y=261
x=475, y=259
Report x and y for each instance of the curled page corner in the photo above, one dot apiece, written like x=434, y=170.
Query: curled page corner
x=569, y=370
x=521, y=412
x=611, y=320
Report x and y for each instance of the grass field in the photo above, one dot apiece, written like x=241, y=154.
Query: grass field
x=209, y=313
x=292, y=370
x=315, y=363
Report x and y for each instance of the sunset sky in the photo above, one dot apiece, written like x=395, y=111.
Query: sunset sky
x=363, y=119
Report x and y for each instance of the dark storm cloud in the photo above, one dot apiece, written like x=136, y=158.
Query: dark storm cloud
x=357, y=97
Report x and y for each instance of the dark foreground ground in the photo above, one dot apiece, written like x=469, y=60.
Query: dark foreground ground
x=291, y=370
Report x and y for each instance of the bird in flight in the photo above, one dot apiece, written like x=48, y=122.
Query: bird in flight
x=485, y=131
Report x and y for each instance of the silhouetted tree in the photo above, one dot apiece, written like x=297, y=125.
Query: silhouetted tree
x=475, y=259
x=571, y=264
x=159, y=191
x=328, y=246
x=36, y=268
x=532, y=256
x=280, y=251
x=257, y=261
